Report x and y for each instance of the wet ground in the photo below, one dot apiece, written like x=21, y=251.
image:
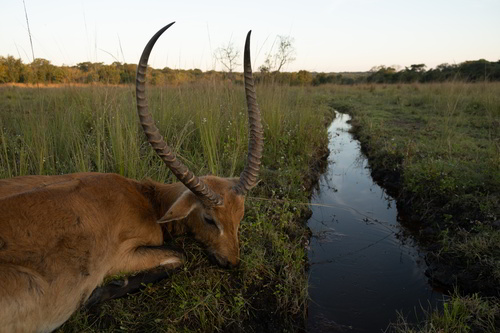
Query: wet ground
x=361, y=271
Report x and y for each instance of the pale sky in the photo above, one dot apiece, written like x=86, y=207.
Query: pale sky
x=329, y=36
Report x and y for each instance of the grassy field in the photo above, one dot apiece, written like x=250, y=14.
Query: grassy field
x=70, y=129
x=437, y=148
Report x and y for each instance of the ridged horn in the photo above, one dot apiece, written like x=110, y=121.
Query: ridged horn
x=248, y=178
x=204, y=193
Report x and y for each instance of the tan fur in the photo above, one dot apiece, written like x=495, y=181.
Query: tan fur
x=60, y=236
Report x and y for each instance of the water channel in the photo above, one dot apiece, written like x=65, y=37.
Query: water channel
x=361, y=272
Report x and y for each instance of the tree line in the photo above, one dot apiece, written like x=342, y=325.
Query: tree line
x=13, y=70
x=469, y=71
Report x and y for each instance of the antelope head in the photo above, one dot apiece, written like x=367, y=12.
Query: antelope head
x=210, y=207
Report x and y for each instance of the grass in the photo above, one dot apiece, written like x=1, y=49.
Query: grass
x=437, y=147
x=460, y=314
x=71, y=129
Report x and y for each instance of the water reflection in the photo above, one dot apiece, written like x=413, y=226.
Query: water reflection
x=361, y=273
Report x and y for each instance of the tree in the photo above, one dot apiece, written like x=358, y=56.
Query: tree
x=382, y=74
x=109, y=74
x=267, y=66
x=418, y=68
x=304, y=78
x=227, y=55
x=4, y=70
x=286, y=52
x=284, y=55
x=44, y=71
x=84, y=66
x=127, y=73
x=12, y=68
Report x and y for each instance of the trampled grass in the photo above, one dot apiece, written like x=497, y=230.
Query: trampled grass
x=72, y=129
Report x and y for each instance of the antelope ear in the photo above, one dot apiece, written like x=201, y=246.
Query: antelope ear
x=181, y=208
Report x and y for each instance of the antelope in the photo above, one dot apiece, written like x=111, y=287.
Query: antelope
x=60, y=236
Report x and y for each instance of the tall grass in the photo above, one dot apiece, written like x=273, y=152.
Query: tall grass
x=64, y=130
x=90, y=128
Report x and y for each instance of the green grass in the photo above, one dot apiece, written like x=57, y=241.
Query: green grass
x=437, y=146
x=63, y=130
x=460, y=314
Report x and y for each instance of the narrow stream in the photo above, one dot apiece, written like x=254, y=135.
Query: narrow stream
x=361, y=273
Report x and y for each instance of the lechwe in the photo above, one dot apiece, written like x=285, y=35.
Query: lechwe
x=60, y=236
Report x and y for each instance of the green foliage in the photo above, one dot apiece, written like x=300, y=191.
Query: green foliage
x=42, y=71
x=468, y=71
x=459, y=314
x=12, y=70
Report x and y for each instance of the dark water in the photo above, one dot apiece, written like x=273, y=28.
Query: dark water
x=361, y=273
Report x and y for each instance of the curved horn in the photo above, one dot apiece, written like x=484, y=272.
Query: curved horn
x=248, y=177
x=204, y=193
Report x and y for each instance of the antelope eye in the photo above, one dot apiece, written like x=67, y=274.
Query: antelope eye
x=210, y=221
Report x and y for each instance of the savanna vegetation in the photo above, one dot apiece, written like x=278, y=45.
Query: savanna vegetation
x=95, y=128
x=437, y=148
x=467, y=71
x=41, y=71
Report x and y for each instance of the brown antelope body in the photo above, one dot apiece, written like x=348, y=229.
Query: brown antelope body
x=60, y=236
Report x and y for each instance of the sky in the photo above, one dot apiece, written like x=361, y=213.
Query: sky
x=328, y=36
